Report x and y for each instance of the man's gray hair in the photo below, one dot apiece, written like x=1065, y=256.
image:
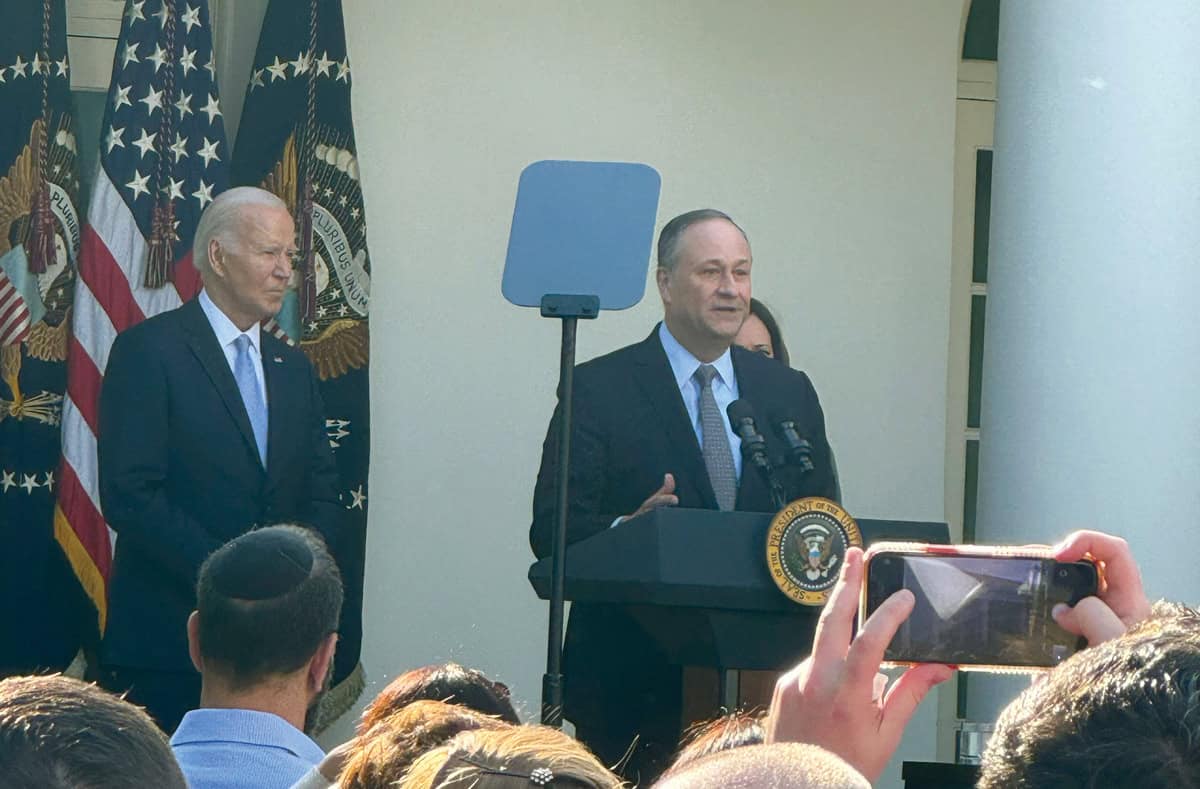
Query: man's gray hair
x=220, y=219
x=672, y=232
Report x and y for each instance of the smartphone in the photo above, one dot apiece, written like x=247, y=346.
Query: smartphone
x=981, y=608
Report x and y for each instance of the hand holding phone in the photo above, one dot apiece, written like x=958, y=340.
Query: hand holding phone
x=836, y=698
x=979, y=608
x=1121, y=600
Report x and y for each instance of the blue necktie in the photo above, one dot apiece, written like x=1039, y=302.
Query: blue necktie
x=252, y=397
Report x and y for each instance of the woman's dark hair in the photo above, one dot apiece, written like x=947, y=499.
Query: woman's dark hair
x=448, y=682
x=760, y=311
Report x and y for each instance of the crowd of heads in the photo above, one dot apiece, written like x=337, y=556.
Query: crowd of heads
x=1123, y=712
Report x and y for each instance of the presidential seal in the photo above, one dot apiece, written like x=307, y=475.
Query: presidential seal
x=806, y=544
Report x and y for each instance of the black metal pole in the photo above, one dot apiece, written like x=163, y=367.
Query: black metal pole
x=552, y=680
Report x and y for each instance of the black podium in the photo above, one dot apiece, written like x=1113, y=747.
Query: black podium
x=697, y=580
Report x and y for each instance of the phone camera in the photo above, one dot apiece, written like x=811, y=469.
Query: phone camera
x=1063, y=573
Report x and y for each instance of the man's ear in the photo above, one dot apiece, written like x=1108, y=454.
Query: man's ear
x=193, y=633
x=318, y=667
x=663, y=278
x=216, y=257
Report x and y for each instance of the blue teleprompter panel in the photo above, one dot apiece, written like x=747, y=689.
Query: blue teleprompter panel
x=582, y=228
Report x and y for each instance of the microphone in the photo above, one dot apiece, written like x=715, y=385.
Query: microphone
x=799, y=451
x=754, y=447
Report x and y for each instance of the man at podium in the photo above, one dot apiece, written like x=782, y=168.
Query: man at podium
x=651, y=430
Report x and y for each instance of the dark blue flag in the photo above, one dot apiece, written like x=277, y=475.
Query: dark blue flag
x=39, y=243
x=296, y=139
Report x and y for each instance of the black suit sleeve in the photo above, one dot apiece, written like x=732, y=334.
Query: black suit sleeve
x=822, y=481
x=589, y=508
x=133, y=449
x=326, y=512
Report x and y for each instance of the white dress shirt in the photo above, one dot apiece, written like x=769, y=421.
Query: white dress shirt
x=227, y=333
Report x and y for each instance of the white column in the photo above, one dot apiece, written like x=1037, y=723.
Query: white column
x=1091, y=377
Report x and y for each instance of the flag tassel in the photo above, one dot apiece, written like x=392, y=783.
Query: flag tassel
x=41, y=232
x=308, y=271
x=160, y=256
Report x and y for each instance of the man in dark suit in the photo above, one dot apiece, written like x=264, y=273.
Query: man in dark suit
x=208, y=427
x=650, y=430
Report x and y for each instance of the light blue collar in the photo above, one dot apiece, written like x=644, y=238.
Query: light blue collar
x=684, y=363
x=224, y=328
x=251, y=727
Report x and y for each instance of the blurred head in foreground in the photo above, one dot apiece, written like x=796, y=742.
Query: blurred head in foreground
x=794, y=765
x=61, y=733
x=1123, y=713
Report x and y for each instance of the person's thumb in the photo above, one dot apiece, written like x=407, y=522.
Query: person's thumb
x=1091, y=618
x=907, y=693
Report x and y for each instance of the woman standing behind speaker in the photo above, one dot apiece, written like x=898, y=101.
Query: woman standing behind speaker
x=760, y=333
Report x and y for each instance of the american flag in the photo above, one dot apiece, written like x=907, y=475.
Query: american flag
x=162, y=144
x=14, y=313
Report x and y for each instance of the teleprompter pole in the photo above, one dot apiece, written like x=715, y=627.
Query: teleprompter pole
x=569, y=309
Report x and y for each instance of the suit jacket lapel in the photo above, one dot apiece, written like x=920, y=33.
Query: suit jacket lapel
x=750, y=486
x=204, y=345
x=277, y=375
x=657, y=382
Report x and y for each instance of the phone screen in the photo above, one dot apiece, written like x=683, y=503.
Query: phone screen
x=980, y=610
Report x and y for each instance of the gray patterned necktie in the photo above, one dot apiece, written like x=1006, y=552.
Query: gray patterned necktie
x=718, y=457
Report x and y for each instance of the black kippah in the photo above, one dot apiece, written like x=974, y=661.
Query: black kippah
x=261, y=565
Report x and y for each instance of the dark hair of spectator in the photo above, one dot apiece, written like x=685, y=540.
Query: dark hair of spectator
x=448, y=682
x=672, y=232
x=382, y=754
x=735, y=730
x=61, y=733
x=760, y=311
x=249, y=637
x=1122, y=713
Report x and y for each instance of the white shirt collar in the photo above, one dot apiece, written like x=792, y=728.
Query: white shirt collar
x=684, y=363
x=224, y=328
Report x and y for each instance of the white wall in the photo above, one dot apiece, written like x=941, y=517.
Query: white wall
x=825, y=128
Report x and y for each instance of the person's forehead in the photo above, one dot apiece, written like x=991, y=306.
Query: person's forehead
x=754, y=324
x=266, y=222
x=715, y=240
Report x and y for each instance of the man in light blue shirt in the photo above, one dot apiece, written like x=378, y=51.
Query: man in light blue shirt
x=263, y=638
